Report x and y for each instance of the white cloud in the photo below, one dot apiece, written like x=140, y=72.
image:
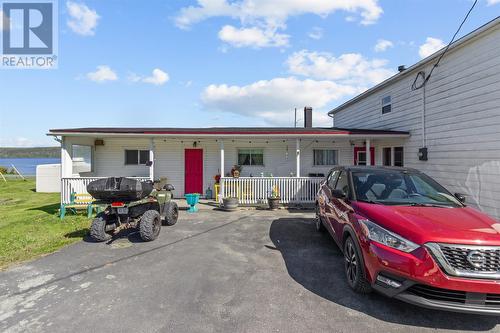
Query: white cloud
x=252, y=37
x=262, y=19
x=349, y=68
x=382, y=45
x=83, y=20
x=430, y=46
x=158, y=77
x=316, y=33
x=102, y=74
x=493, y=2
x=271, y=11
x=273, y=100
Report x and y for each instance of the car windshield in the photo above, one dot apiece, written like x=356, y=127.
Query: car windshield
x=401, y=188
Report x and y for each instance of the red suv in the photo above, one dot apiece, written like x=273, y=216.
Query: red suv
x=407, y=237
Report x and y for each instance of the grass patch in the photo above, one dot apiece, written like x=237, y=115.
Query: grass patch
x=30, y=225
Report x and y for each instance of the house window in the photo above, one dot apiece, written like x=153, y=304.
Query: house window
x=386, y=104
x=387, y=158
x=325, y=157
x=251, y=157
x=398, y=156
x=136, y=157
x=82, y=158
x=393, y=156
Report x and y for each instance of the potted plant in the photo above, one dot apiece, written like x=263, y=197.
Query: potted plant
x=236, y=171
x=230, y=203
x=274, y=198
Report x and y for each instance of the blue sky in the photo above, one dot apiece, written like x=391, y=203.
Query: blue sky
x=219, y=62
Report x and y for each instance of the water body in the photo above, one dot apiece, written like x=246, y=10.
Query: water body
x=27, y=166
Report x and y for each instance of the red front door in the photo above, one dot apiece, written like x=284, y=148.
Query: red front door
x=360, y=155
x=193, y=171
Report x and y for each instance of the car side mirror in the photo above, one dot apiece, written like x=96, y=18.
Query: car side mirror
x=339, y=194
x=460, y=197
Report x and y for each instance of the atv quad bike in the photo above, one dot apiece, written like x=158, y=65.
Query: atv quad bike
x=131, y=203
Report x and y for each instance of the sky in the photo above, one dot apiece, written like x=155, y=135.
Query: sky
x=219, y=62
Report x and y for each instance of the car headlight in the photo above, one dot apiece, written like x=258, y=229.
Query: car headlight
x=380, y=235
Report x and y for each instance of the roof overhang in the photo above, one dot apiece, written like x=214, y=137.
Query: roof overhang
x=412, y=69
x=261, y=133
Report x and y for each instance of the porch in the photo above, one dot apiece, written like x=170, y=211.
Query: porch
x=291, y=160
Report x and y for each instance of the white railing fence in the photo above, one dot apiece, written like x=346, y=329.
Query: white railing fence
x=256, y=190
x=78, y=185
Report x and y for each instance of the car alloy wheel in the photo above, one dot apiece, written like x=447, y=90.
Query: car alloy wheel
x=319, y=225
x=351, y=263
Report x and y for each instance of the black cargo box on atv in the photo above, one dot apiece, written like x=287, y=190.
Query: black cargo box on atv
x=119, y=189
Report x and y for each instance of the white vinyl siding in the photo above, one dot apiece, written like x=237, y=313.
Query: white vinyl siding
x=462, y=120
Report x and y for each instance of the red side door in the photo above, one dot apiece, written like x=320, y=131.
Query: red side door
x=363, y=149
x=193, y=171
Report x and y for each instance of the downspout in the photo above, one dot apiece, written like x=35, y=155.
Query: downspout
x=423, y=116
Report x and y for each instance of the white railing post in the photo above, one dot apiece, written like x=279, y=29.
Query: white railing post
x=297, y=147
x=368, y=152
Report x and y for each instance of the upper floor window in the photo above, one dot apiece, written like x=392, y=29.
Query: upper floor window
x=136, y=157
x=251, y=157
x=325, y=157
x=386, y=104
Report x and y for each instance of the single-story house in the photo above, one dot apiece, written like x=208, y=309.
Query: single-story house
x=453, y=120
x=448, y=128
x=293, y=160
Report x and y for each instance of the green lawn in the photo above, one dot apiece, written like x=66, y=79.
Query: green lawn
x=30, y=225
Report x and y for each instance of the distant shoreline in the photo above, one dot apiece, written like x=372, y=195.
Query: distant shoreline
x=36, y=152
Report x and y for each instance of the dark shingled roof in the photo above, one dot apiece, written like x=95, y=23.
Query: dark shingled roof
x=227, y=131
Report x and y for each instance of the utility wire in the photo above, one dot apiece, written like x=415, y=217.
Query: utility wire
x=414, y=86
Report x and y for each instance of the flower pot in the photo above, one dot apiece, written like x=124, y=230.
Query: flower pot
x=192, y=199
x=230, y=203
x=274, y=203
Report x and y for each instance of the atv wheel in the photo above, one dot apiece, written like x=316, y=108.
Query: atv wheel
x=150, y=225
x=171, y=213
x=98, y=228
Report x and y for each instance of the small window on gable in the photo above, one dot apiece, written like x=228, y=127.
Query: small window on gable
x=386, y=104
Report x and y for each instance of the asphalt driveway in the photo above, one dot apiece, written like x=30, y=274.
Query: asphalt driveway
x=248, y=271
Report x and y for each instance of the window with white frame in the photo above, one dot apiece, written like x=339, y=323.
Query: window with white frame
x=136, y=157
x=386, y=104
x=393, y=156
x=251, y=157
x=325, y=157
x=81, y=156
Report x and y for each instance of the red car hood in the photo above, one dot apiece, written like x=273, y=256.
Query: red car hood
x=462, y=225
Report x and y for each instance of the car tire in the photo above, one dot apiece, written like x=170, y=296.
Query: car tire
x=98, y=228
x=150, y=225
x=320, y=227
x=355, y=268
x=171, y=213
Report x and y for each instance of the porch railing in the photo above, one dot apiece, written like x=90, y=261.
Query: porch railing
x=79, y=185
x=255, y=190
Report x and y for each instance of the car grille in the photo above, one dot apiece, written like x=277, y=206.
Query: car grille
x=454, y=296
x=437, y=294
x=482, y=262
x=457, y=258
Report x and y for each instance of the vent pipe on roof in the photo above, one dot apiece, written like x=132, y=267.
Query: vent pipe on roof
x=308, y=117
x=401, y=68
